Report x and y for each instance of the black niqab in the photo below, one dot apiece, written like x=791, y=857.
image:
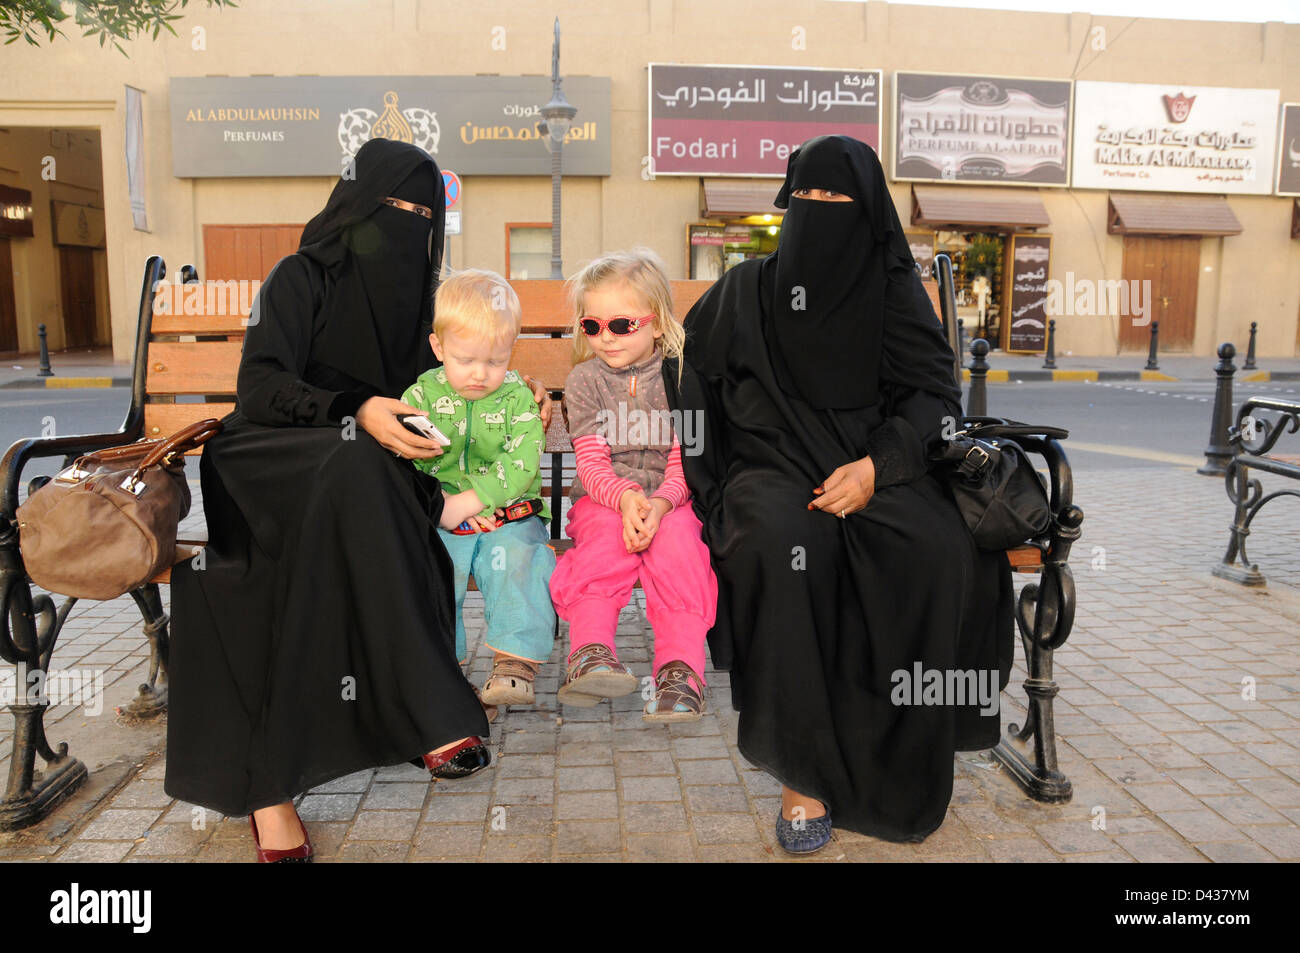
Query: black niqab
x=382, y=265
x=825, y=285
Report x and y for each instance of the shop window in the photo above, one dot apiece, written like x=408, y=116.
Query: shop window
x=977, y=264
x=717, y=247
x=528, y=249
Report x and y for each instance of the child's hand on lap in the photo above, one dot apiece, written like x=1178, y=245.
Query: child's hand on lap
x=654, y=511
x=633, y=505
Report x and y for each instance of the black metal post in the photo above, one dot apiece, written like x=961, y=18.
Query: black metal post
x=977, y=400
x=44, y=370
x=1050, y=361
x=961, y=341
x=1250, y=348
x=189, y=275
x=1220, y=452
x=1151, y=354
x=942, y=269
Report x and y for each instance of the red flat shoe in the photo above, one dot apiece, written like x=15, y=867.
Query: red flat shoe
x=466, y=758
x=296, y=855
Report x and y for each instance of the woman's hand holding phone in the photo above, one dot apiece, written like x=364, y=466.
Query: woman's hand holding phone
x=378, y=417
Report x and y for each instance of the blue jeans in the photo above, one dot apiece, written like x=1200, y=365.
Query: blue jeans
x=512, y=566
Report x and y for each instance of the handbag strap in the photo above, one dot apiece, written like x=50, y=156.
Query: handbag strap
x=1000, y=427
x=182, y=441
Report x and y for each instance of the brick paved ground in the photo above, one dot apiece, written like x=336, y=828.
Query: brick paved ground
x=1169, y=760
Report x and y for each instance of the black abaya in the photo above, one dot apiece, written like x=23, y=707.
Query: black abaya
x=816, y=614
x=317, y=638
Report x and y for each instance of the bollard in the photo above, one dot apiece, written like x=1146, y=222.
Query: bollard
x=977, y=404
x=44, y=370
x=1250, y=348
x=1151, y=354
x=1050, y=362
x=1219, y=452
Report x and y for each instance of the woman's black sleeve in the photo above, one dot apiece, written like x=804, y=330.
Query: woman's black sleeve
x=277, y=347
x=701, y=434
x=920, y=396
x=914, y=424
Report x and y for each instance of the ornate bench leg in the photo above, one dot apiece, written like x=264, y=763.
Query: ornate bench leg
x=28, y=630
x=1245, y=495
x=1040, y=778
x=1044, y=616
x=152, y=698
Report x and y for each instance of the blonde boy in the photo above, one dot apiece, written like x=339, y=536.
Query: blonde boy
x=493, y=461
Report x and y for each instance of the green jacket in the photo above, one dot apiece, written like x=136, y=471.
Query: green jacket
x=496, y=441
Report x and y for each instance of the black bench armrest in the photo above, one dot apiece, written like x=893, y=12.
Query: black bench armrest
x=35, y=448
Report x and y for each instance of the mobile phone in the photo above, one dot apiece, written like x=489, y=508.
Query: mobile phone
x=421, y=426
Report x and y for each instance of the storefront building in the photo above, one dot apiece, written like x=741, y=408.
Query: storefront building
x=1110, y=173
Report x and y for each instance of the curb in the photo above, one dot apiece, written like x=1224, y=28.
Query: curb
x=1260, y=377
x=67, y=383
x=1003, y=376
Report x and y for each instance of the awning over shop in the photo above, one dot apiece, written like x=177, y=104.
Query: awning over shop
x=732, y=198
x=945, y=205
x=1144, y=213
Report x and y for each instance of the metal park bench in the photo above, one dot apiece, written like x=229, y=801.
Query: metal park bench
x=1261, y=421
x=185, y=368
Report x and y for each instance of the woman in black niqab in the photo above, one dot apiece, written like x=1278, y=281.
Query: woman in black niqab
x=318, y=638
x=817, y=379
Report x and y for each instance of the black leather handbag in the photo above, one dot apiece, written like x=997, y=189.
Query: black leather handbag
x=999, y=493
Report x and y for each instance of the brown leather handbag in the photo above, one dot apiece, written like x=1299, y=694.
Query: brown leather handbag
x=107, y=524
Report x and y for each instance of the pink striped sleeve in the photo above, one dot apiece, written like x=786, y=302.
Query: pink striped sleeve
x=674, y=488
x=596, y=471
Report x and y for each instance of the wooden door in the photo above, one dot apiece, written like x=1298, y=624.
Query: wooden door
x=77, y=278
x=246, y=252
x=8, y=312
x=1172, y=264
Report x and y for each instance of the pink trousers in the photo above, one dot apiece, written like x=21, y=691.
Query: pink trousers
x=594, y=580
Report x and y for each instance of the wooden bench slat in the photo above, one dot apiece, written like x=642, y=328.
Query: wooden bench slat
x=1025, y=558
x=163, y=420
x=545, y=359
x=201, y=367
x=228, y=324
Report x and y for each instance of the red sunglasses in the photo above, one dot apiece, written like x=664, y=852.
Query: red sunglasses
x=620, y=325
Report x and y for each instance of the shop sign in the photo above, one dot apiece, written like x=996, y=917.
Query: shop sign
x=981, y=129
x=15, y=212
x=314, y=125
x=1288, y=151
x=1025, y=303
x=746, y=120
x=1174, y=138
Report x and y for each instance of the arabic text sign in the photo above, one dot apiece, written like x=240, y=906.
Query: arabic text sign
x=1025, y=308
x=981, y=129
x=746, y=120
x=313, y=125
x=1288, y=164
x=1174, y=138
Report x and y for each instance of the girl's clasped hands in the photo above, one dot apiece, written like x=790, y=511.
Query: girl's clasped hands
x=641, y=518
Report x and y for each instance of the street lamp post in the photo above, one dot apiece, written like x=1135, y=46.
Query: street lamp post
x=557, y=117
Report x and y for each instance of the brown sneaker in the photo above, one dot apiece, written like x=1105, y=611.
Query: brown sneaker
x=511, y=682
x=594, y=674
x=679, y=695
